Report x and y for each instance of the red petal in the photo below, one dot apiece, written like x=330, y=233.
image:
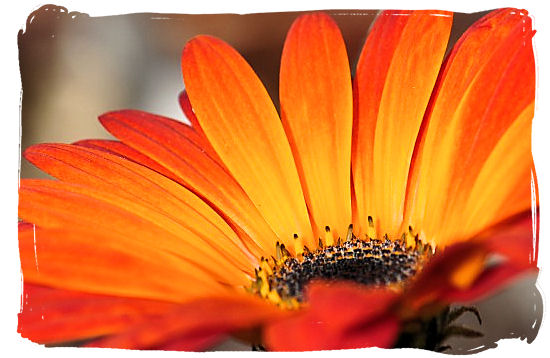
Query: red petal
x=435, y=277
x=515, y=238
x=50, y=315
x=142, y=130
x=124, y=151
x=196, y=324
x=187, y=109
x=489, y=281
x=338, y=316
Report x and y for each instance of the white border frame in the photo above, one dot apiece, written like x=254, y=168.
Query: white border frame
x=14, y=19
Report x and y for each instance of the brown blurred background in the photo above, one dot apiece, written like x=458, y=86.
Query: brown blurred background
x=75, y=67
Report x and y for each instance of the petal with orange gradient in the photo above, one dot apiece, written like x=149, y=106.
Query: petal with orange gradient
x=107, y=172
x=96, y=263
x=395, y=77
x=439, y=273
x=338, y=316
x=54, y=316
x=240, y=121
x=515, y=238
x=129, y=125
x=124, y=151
x=187, y=109
x=196, y=325
x=317, y=114
x=504, y=184
x=55, y=205
x=183, y=152
x=489, y=281
x=461, y=272
x=471, y=111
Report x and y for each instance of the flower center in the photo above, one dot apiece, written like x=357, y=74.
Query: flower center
x=369, y=261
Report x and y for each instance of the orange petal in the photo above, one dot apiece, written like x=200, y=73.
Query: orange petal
x=97, y=263
x=338, y=316
x=129, y=125
x=49, y=315
x=238, y=117
x=56, y=205
x=196, y=324
x=317, y=114
x=492, y=279
x=505, y=182
x=467, y=271
x=516, y=238
x=187, y=109
x=178, y=148
x=436, y=277
x=113, y=174
x=124, y=151
x=487, y=84
x=396, y=73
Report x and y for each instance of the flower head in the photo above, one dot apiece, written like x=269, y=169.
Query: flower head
x=364, y=205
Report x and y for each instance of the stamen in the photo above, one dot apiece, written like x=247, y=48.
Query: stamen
x=350, y=232
x=273, y=296
x=281, y=252
x=278, y=252
x=264, y=283
x=298, y=245
x=371, y=231
x=411, y=238
x=264, y=264
x=329, y=239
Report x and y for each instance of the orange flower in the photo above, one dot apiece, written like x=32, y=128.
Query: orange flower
x=365, y=205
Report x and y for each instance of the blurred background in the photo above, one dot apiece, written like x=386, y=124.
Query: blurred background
x=75, y=67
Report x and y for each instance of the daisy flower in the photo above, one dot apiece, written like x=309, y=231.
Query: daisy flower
x=364, y=207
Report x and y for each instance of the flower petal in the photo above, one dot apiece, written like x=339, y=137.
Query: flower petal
x=437, y=276
x=513, y=239
x=195, y=325
x=240, y=121
x=396, y=73
x=338, y=316
x=97, y=263
x=124, y=151
x=111, y=173
x=487, y=83
x=516, y=238
x=488, y=282
x=506, y=180
x=317, y=114
x=187, y=109
x=183, y=152
x=55, y=205
x=49, y=315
